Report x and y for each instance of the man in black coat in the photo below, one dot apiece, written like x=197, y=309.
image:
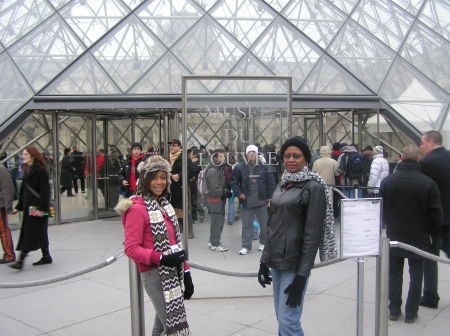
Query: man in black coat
x=436, y=164
x=77, y=162
x=412, y=214
x=67, y=172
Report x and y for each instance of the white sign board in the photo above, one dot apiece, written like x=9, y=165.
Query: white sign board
x=360, y=227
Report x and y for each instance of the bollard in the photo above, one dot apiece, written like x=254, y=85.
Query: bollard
x=136, y=301
x=360, y=298
x=381, y=304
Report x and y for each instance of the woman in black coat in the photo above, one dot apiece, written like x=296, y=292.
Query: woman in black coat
x=34, y=202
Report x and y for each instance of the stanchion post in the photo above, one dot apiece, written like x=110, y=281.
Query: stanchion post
x=136, y=301
x=360, y=298
x=381, y=295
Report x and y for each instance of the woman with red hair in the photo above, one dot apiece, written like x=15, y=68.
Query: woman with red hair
x=34, y=200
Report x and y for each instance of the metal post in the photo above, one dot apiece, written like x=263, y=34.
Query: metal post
x=381, y=304
x=136, y=301
x=360, y=298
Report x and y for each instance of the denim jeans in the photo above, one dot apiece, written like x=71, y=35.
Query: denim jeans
x=288, y=318
x=231, y=209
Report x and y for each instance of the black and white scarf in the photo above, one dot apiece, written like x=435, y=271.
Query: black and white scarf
x=327, y=248
x=172, y=279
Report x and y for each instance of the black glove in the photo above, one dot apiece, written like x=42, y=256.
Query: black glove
x=295, y=291
x=264, y=277
x=188, y=285
x=173, y=259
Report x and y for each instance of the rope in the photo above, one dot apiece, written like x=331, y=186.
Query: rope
x=419, y=252
x=107, y=262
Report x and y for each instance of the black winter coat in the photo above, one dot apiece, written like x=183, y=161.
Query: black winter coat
x=295, y=227
x=33, y=234
x=67, y=171
x=411, y=207
x=176, y=188
x=77, y=163
x=124, y=174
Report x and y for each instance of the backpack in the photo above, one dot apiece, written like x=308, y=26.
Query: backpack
x=355, y=166
x=202, y=188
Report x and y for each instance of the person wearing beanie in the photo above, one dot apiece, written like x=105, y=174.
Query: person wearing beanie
x=379, y=169
x=301, y=222
x=326, y=167
x=253, y=184
x=128, y=174
x=153, y=242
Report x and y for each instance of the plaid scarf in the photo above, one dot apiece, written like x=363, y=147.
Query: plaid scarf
x=327, y=248
x=172, y=279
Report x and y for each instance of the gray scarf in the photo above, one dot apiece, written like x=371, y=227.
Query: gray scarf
x=327, y=248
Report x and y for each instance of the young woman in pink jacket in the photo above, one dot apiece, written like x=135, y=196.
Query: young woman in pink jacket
x=152, y=240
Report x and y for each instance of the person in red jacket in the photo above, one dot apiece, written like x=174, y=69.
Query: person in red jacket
x=152, y=241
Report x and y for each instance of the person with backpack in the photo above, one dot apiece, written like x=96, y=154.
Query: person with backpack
x=379, y=169
x=351, y=167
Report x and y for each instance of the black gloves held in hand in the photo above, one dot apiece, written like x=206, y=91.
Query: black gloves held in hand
x=264, y=277
x=173, y=259
x=295, y=291
x=188, y=285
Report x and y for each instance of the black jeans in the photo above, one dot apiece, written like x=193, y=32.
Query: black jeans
x=395, y=285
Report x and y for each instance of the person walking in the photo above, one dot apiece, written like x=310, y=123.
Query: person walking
x=7, y=192
x=153, y=242
x=67, y=173
x=412, y=213
x=78, y=164
x=34, y=198
x=301, y=223
x=379, y=169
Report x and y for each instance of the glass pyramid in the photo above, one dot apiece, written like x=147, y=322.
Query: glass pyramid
x=397, y=50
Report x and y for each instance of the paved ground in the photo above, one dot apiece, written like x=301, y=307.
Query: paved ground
x=98, y=303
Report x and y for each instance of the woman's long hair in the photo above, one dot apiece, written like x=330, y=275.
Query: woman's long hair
x=37, y=157
x=143, y=187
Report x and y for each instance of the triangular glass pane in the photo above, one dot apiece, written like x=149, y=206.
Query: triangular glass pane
x=429, y=53
x=92, y=19
x=328, y=77
x=14, y=91
x=169, y=19
x=411, y=6
x=278, y=4
x=85, y=76
x=133, y=3
x=206, y=4
x=414, y=96
x=208, y=49
x=4, y=5
x=163, y=78
x=286, y=51
x=128, y=51
x=436, y=15
x=19, y=18
x=46, y=51
x=383, y=19
x=344, y=5
x=316, y=18
x=245, y=20
x=361, y=53
x=58, y=3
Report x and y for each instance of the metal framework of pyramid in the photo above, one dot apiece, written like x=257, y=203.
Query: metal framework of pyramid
x=395, y=49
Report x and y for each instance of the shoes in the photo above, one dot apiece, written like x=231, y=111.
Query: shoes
x=219, y=248
x=243, y=251
x=209, y=245
x=18, y=265
x=230, y=223
x=394, y=317
x=425, y=303
x=261, y=247
x=71, y=195
x=4, y=261
x=43, y=261
x=83, y=192
x=411, y=319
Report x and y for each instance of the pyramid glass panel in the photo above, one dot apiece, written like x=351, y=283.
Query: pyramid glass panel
x=383, y=19
x=59, y=3
x=286, y=51
x=345, y=5
x=429, y=53
x=128, y=52
x=206, y=4
x=169, y=19
x=318, y=19
x=414, y=96
x=361, y=53
x=411, y=6
x=83, y=77
x=278, y=4
x=43, y=53
x=436, y=15
x=133, y=3
x=245, y=20
x=20, y=17
x=328, y=77
x=91, y=19
x=208, y=49
x=14, y=91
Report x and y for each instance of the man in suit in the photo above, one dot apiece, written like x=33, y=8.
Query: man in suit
x=435, y=164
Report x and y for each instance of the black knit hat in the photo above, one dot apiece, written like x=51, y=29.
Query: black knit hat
x=297, y=142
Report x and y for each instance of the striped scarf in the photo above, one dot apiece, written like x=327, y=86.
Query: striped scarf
x=172, y=279
x=327, y=248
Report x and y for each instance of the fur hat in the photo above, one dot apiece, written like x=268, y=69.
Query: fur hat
x=378, y=150
x=153, y=163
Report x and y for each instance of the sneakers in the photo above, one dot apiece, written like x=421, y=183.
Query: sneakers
x=219, y=248
x=394, y=317
x=209, y=245
x=261, y=247
x=243, y=251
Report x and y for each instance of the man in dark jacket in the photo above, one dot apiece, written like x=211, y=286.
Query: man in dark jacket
x=253, y=184
x=7, y=193
x=128, y=174
x=412, y=214
x=77, y=162
x=436, y=165
x=67, y=172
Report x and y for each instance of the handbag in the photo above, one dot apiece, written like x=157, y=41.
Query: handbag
x=51, y=211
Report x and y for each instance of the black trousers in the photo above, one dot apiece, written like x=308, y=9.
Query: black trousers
x=396, y=265
x=75, y=183
x=430, y=278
